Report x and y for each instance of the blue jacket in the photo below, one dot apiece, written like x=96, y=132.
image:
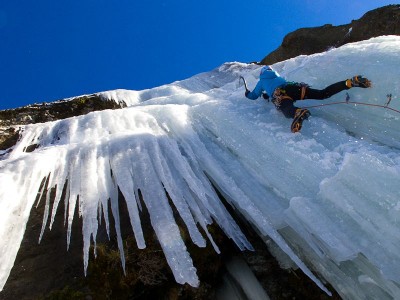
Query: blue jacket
x=269, y=81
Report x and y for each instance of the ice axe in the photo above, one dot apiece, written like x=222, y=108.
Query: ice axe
x=244, y=82
x=264, y=94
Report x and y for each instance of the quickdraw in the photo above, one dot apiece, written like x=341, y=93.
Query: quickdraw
x=389, y=98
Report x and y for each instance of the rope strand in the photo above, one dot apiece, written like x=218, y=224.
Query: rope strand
x=353, y=102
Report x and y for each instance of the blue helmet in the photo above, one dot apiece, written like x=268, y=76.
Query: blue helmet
x=265, y=68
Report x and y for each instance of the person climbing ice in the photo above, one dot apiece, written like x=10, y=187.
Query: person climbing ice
x=285, y=93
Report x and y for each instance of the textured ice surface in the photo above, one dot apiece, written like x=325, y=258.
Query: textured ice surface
x=328, y=197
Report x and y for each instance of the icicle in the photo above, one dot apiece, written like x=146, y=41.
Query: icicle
x=122, y=173
x=74, y=187
x=112, y=192
x=88, y=199
x=58, y=182
x=46, y=208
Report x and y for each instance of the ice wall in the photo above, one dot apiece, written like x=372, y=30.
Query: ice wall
x=328, y=196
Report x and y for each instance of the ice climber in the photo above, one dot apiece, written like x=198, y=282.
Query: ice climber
x=285, y=93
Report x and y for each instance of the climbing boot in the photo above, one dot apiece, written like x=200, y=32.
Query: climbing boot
x=358, y=81
x=300, y=115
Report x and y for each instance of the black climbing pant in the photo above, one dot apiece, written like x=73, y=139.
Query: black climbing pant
x=294, y=91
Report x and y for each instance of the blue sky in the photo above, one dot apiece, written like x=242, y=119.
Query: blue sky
x=52, y=50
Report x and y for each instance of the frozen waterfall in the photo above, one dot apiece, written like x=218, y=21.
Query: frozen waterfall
x=329, y=197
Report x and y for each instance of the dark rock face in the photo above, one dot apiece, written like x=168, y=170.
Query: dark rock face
x=39, y=268
x=11, y=119
x=381, y=21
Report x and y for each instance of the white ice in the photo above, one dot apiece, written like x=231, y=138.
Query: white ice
x=328, y=197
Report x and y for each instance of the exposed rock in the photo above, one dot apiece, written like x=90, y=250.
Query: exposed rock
x=8, y=137
x=378, y=22
x=12, y=119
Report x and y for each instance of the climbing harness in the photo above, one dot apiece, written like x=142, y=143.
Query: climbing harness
x=303, y=87
x=278, y=96
x=281, y=95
